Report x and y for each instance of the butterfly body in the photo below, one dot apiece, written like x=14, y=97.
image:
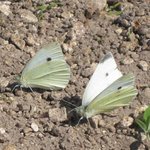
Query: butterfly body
x=46, y=70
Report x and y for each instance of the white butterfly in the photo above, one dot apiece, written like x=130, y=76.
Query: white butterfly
x=107, y=89
x=47, y=69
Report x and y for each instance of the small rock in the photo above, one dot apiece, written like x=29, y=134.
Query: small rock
x=97, y=121
x=57, y=114
x=94, y=121
x=40, y=135
x=78, y=30
x=16, y=39
x=127, y=61
x=30, y=40
x=30, y=51
x=125, y=47
x=45, y=95
x=94, y=5
x=123, y=22
x=10, y=147
x=2, y=131
x=67, y=14
x=142, y=30
x=135, y=56
x=127, y=121
x=140, y=12
x=18, y=92
x=118, y=31
x=26, y=130
x=3, y=82
x=87, y=72
x=67, y=47
x=5, y=8
x=34, y=127
x=140, y=110
x=28, y=16
x=143, y=65
x=147, y=92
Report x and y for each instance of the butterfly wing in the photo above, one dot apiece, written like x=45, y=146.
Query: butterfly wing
x=52, y=75
x=105, y=74
x=120, y=93
x=51, y=51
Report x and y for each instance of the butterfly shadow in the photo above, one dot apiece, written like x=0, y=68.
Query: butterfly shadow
x=15, y=86
x=71, y=104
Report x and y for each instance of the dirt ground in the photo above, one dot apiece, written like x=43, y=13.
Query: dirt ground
x=41, y=120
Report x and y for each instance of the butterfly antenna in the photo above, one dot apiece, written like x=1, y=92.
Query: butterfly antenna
x=69, y=103
x=72, y=110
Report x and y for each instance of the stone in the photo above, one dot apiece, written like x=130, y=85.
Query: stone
x=30, y=40
x=18, y=41
x=143, y=65
x=135, y=56
x=147, y=92
x=93, y=5
x=118, y=31
x=127, y=121
x=67, y=15
x=140, y=110
x=3, y=82
x=2, y=131
x=87, y=72
x=10, y=147
x=34, y=127
x=67, y=48
x=127, y=61
x=142, y=30
x=57, y=114
x=5, y=8
x=96, y=121
x=28, y=16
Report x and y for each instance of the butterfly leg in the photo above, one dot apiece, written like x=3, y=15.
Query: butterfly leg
x=15, y=87
x=79, y=120
x=31, y=90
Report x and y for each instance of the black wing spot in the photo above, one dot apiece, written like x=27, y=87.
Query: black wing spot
x=119, y=87
x=106, y=74
x=49, y=59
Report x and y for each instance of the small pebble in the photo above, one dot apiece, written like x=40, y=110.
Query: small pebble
x=118, y=31
x=142, y=31
x=135, y=56
x=147, y=92
x=143, y=65
x=127, y=121
x=10, y=147
x=3, y=82
x=18, y=41
x=28, y=16
x=94, y=121
x=34, y=127
x=5, y=8
x=127, y=61
x=2, y=131
x=57, y=114
x=139, y=110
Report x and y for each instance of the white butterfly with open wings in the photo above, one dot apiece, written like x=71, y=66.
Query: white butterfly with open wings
x=107, y=89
